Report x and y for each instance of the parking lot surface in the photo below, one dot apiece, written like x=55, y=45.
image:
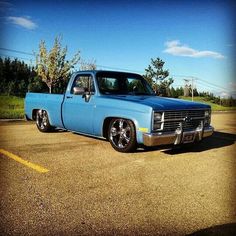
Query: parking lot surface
x=87, y=188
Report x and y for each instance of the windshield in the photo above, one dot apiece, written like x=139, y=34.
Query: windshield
x=122, y=83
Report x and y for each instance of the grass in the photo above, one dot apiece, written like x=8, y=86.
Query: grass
x=11, y=107
x=214, y=107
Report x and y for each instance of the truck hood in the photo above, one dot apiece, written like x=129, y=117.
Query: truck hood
x=161, y=103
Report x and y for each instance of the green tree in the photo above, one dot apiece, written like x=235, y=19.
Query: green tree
x=14, y=77
x=52, y=66
x=164, y=87
x=179, y=91
x=37, y=85
x=156, y=73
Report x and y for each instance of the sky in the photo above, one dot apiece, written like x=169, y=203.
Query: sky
x=195, y=39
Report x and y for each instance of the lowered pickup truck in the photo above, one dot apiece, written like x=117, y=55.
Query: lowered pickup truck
x=122, y=108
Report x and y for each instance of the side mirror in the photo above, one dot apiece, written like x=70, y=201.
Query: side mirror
x=86, y=96
x=79, y=90
x=82, y=91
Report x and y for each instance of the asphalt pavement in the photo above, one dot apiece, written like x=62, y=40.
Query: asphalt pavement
x=87, y=188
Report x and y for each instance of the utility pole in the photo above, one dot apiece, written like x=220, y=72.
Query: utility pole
x=188, y=86
x=192, y=87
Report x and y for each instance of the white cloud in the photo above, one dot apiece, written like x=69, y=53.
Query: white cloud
x=224, y=95
x=227, y=94
x=232, y=85
x=177, y=49
x=23, y=22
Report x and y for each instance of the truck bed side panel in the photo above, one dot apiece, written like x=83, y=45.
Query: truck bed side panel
x=49, y=102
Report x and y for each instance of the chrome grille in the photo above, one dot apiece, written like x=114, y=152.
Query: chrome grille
x=178, y=115
x=173, y=125
x=176, y=119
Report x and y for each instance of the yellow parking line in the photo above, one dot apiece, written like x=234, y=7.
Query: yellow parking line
x=24, y=162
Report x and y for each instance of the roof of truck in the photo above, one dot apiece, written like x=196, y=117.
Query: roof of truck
x=104, y=71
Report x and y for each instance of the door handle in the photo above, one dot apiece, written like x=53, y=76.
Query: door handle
x=69, y=97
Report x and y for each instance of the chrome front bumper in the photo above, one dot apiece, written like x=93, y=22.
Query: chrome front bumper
x=177, y=137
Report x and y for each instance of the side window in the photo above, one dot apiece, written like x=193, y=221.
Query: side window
x=84, y=82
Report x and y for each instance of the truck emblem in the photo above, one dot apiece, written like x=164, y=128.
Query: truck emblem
x=187, y=119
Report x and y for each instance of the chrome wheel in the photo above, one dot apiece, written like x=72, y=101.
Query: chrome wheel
x=42, y=121
x=122, y=135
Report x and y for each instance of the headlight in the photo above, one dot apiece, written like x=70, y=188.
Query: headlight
x=157, y=126
x=157, y=120
x=157, y=116
x=207, y=115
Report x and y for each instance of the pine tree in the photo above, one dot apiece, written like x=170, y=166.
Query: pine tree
x=155, y=73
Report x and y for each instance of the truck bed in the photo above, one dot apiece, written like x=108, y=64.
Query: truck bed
x=50, y=102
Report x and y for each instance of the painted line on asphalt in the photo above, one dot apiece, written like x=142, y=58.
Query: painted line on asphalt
x=24, y=162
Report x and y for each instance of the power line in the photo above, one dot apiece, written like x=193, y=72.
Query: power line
x=103, y=66
x=213, y=84
x=22, y=58
x=196, y=78
x=116, y=68
x=209, y=84
x=113, y=68
x=12, y=50
x=183, y=76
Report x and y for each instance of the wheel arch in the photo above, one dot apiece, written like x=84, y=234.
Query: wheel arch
x=34, y=112
x=107, y=121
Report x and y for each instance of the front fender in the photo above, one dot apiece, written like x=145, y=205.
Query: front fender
x=141, y=120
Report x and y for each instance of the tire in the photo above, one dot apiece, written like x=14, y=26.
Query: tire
x=42, y=121
x=122, y=135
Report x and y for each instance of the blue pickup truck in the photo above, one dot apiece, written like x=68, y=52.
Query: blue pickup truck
x=122, y=108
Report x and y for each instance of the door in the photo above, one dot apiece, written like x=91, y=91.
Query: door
x=78, y=106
